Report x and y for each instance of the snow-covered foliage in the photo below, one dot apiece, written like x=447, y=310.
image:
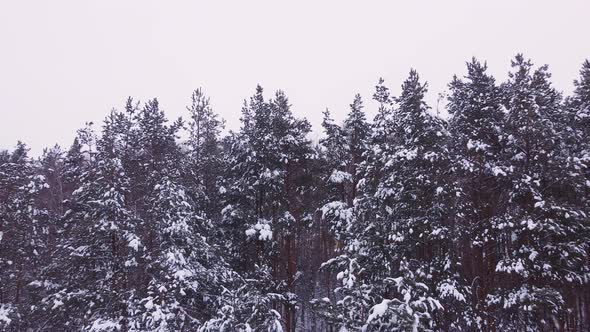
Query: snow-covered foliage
x=408, y=222
x=264, y=195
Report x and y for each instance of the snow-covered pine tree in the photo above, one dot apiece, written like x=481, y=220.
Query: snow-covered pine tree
x=476, y=128
x=294, y=151
x=399, y=257
x=51, y=198
x=182, y=273
x=247, y=305
x=64, y=175
x=203, y=165
x=380, y=143
x=23, y=235
x=481, y=227
x=334, y=156
x=357, y=131
x=74, y=162
x=186, y=273
x=51, y=166
x=246, y=183
x=579, y=107
x=344, y=147
x=542, y=231
x=349, y=311
x=92, y=286
x=263, y=193
x=579, y=145
x=408, y=225
x=342, y=151
x=580, y=102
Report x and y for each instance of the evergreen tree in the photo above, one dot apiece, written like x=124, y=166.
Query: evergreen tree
x=481, y=223
x=100, y=248
x=204, y=164
x=334, y=157
x=263, y=198
x=345, y=147
x=476, y=127
x=23, y=230
x=390, y=266
x=580, y=102
x=185, y=272
x=542, y=232
x=73, y=167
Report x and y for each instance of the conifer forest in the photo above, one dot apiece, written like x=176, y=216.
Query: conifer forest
x=405, y=221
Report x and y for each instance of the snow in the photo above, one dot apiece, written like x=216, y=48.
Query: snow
x=529, y=223
x=4, y=312
x=477, y=145
x=407, y=154
x=401, y=181
x=262, y=227
x=407, y=297
x=448, y=290
x=228, y=207
x=183, y=274
x=340, y=177
x=337, y=209
x=539, y=204
x=57, y=304
x=512, y=267
x=378, y=310
x=436, y=231
x=265, y=233
x=131, y=262
x=278, y=326
x=149, y=304
x=134, y=243
x=104, y=325
x=288, y=217
x=498, y=171
x=277, y=323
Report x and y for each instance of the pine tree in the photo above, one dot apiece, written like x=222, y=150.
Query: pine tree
x=73, y=167
x=263, y=198
x=411, y=207
x=185, y=271
x=100, y=248
x=344, y=149
x=23, y=230
x=480, y=223
x=389, y=265
x=476, y=127
x=580, y=102
x=334, y=157
x=579, y=106
x=542, y=232
x=51, y=166
x=204, y=164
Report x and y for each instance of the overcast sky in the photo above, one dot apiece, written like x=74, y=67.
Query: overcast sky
x=63, y=63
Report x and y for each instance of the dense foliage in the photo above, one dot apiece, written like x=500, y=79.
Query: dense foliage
x=479, y=221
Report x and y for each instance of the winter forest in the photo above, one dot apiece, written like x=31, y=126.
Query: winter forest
x=479, y=221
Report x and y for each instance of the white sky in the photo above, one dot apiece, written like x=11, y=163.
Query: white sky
x=63, y=63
